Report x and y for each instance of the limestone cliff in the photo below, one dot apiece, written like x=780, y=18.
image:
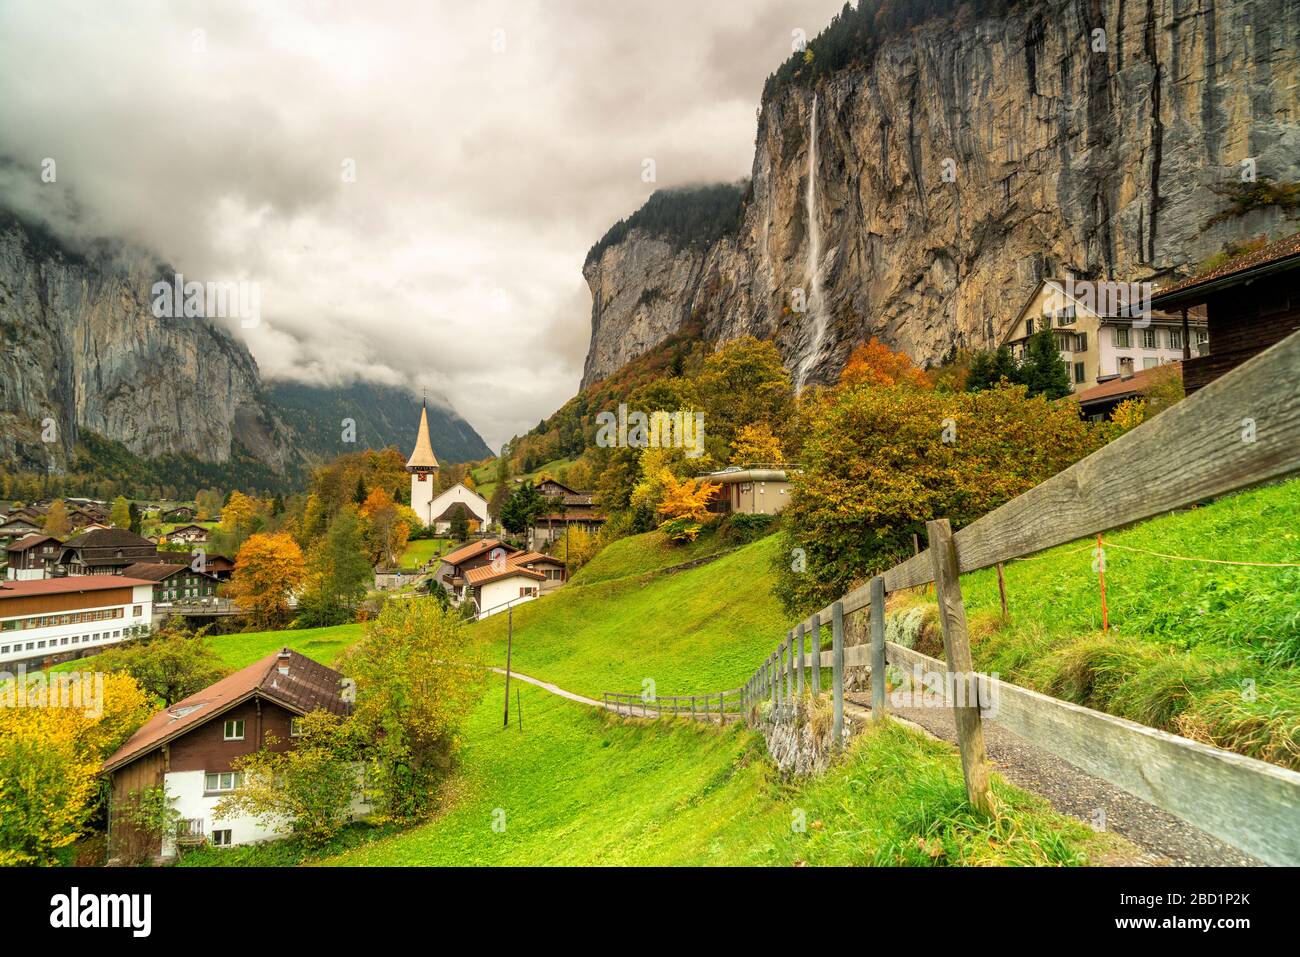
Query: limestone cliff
x=83, y=348
x=963, y=161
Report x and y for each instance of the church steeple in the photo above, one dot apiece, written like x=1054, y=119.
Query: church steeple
x=422, y=459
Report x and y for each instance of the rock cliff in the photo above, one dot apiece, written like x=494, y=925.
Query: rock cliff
x=936, y=182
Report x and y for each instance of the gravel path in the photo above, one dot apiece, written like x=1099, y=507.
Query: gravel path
x=1163, y=838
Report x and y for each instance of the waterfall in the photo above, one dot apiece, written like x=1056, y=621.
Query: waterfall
x=813, y=301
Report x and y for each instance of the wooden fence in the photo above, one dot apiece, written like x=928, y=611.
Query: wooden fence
x=718, y=706
x=1240, y=430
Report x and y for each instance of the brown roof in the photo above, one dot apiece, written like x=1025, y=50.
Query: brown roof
x=1283, y=254
x=157, y=571
x=28, y=541
x=475, y=549
x=107, y=538
x=308, y=686
x=1126, y=385
x=570, y=515
x=527, y=557
x=78, y=584
x=486, y=573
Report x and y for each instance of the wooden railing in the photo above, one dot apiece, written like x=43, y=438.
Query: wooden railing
x=718, y=706
x=1240, y=430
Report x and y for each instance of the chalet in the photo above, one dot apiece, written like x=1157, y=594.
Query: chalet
x=440, y=511
x=454, y=566
x=494, y=588
x=54, y=619
x=1105, y=330
x=30, y=558
x=182, y=513
x=173, y=582
x=219, y=567
x=1252, y=302
x=571, y=509
x=189, y=747
x=189, y=534
x=555, y=570
x=17, y=526
x=749, y=490
x=105, y=551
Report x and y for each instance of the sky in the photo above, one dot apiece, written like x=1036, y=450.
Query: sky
x=413, y=186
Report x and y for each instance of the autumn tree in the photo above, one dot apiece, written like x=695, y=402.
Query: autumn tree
x=57, y=522
x=338, y=572
x=743, y=383
x=268, y=569
x=684, y=507
x=120, y=517
x=874, y=363
x=241, y=516
x=417, y=676
x=755, y=443
x=388, y=528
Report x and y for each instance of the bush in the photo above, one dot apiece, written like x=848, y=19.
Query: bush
x=743, y=527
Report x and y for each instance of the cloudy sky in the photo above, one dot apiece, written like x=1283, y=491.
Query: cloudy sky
x=493, y=143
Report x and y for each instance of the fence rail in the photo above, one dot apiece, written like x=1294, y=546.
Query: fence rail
x=720, y=705
x=1240, y=430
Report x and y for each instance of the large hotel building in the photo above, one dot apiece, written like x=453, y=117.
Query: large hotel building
x=53, y=619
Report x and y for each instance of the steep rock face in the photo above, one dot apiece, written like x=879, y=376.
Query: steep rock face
x=964, y=163
x=83, y=348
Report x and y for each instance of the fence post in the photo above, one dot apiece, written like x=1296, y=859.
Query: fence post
x=816, y=650
x=771, y=685
x=798, y=675
x=956, y=647
x=878, y=648
x=837, y=671
x=789, y=676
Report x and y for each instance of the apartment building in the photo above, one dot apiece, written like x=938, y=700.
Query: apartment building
x=54, y=619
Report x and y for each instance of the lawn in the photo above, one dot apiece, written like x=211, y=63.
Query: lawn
x=485, y=475
x=421, y=550
x=576, y=787
x=1205, y=650
x=639, y=554
x=696, y=631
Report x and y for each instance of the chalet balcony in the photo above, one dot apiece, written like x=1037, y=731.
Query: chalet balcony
x=189, y=831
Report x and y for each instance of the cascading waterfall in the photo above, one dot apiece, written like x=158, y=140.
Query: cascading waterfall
x=814, y=298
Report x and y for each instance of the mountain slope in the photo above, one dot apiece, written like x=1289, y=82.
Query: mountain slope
x=384, y=416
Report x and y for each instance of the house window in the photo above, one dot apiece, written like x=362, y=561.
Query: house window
x=137, y=610
x=1202, y=337
x=1175, y=338
x=295, y=727
x=1148, y=338
x=1029, y=327
x=1078, y=372
x=1121, y=337
x=221, y=838
x=1081, y=342
x=235, y=730
x=222, y=781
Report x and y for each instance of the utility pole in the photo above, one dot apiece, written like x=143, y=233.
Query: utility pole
x=510, y=640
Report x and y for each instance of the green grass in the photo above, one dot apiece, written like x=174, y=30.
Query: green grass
x=421, y=550
x=1208, y=651
x=575, y=787
x=485, y=475
x=322, y=644
x=700, y=630
x=641, y=554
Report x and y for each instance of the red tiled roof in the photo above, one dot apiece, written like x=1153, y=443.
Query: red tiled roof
x=72, y=584
x=475, y=549
x=1278, y=252
x=1128, y=385
x=308, y=686
x=486, y=573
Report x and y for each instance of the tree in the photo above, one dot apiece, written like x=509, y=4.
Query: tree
x=169, y=664
x=240, y=517
x=459, y=529
x=744, y=382
x=135, y=519
x=389, y=527
x=988, y=369
x=359, y=496
x=685, y=506
x=417, y=677
x=881, y=461
x=576, y=547
x=755, y=443
x=50, y=758
x=121, y=514
x=339, y=573
x=524, y=505
x=57, y=522
x=309, y=787
x=268, y=568
x=208, y=503
x=874, y=363
x=1043, y=370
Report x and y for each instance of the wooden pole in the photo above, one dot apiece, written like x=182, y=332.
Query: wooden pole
x=1002, y=591
x=878, y=707
x=771, y=685
x=1101, y=581
x=837, y=672
x=510, y=641
x=956, y=647
x=816, y=650
x=519, y=709
x=798, y=676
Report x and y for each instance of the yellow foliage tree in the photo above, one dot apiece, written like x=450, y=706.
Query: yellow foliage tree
x=684, y=506
x=389, y=528
x=1129, y=414
x=50, y=756
x=268, y=568
x=755, y=443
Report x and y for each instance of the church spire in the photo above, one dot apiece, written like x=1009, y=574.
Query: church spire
x=422, y=459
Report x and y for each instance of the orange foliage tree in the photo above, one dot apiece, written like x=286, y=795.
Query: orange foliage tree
x=268, y=569
x=684, y=506
x=389, y=528
x=874, y=363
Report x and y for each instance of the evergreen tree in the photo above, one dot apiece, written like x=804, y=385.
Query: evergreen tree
x=525, y=504
x=1043, y=370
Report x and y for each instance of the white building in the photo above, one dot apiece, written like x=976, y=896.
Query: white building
x=497, y=587
x=64, y=617
x=423, y=466
x=442, y=508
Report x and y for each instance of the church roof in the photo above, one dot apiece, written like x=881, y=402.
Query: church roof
x=423, y=457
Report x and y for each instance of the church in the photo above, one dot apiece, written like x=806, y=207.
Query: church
x=437, y=509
